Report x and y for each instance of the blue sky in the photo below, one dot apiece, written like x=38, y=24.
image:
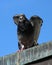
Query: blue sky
x=8, y=33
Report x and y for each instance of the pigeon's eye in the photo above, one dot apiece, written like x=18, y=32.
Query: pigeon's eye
x=17, y=17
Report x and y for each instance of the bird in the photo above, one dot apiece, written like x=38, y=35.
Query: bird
x=27, y=30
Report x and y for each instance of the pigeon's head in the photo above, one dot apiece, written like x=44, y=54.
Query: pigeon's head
x=19, y=18
x=21, y=21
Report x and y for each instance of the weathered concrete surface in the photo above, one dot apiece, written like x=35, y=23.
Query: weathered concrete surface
x=36, y=53
x=44, y=61
x=34, y=56
x=9, y=59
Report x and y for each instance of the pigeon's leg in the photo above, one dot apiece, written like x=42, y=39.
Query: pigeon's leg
x=21, y=47
x=35, y=43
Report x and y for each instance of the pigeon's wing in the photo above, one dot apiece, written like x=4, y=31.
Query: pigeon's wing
x=36, y=22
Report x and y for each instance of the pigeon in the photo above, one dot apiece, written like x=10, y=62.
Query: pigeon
x=27, y=30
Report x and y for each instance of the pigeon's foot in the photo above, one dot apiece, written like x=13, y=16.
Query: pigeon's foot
x=20, y=50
